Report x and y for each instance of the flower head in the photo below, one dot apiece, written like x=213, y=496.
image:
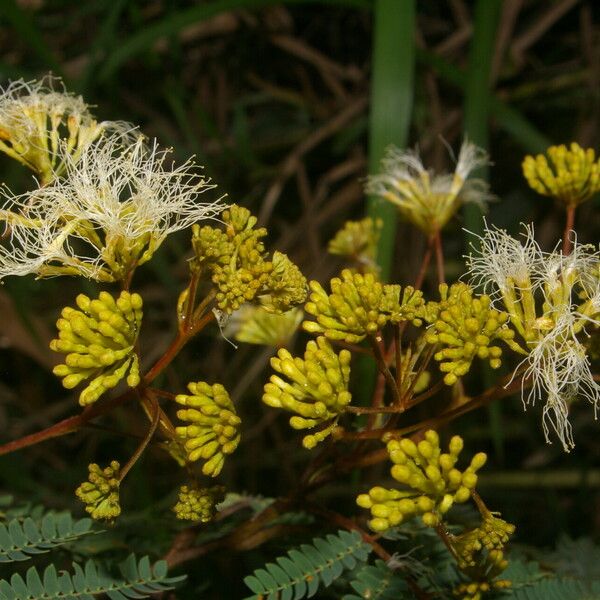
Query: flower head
x=502, y=262
x=433, y=481
x=426, y=199
x=317, y=391
x=357, y=241
x=551, y=300
x=100, y=493
x=359, y=305
x=213, y=430
x=99, y=341
x=40, y=121
x=465, y=326
x=111, y=212
x=572, y=175
x=559, y=369
x=197, y=504
x=240, y=268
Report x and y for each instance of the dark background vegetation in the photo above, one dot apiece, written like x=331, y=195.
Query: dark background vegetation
x=273, y=99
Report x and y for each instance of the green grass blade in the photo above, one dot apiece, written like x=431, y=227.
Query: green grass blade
x=477, y=90
x=476, y=126
x=391, y=106
x=391, y=102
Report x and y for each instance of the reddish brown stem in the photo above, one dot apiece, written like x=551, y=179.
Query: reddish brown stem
x=367, y=434
x=424, y=364
x=377, y=399
x=439, y=257
x=369, y=410
x=426, y=395
x=144, y=443
x=481, y=507
x=398, y=353
x=150, y=406
x=176, y=345
x=424, y=265
x=569, y=224
x=505, y=388
x=66, y=426
x=383, y=368
x=190, y=301
x=443, y=535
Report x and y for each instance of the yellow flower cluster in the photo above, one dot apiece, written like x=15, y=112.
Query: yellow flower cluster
x=286, y=286
x=238, y=264
x=213, y=432
x=357, y=241
x=490, y=536
x=434, y=483
x=465, y=326
x=100, y=493
x=480, y=556
x=359, y=305
x=474, y=590
x=198, y=504
x=318, y=388
x=572, y=177
x=99, y=341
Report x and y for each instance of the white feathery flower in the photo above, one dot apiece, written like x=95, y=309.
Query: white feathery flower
x=37, y=241
x=559, y=369
x=38, y=117
x=568, y=292
x=109, y=214
x=502, y=262
x=426, y=199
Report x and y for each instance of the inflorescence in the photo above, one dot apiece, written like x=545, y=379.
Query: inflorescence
x=100, y=493
x=213, y=430
x=434, y=483
x=99, y=341
x=318, y=389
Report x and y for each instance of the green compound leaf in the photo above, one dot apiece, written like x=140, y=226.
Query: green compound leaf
x=556, y=589
x=139, y=580
x=20, y=539
x=529, y=582
x=300, y=573
x=378, y=582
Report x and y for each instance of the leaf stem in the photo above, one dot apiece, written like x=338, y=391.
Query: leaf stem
x=439, y=257
x=424, y=264
x=68, y=425
x=140, y=449
x=180, y=340
x=570, y=222
x=383, y=368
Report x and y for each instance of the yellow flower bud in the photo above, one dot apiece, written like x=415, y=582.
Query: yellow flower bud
x=572, y=175
x=359, y=305
x=317, y=391
x=213, y=431
x=435, y=484
x=100, y=493
x=99, y=343
x=465, y=327
x=198, y=504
